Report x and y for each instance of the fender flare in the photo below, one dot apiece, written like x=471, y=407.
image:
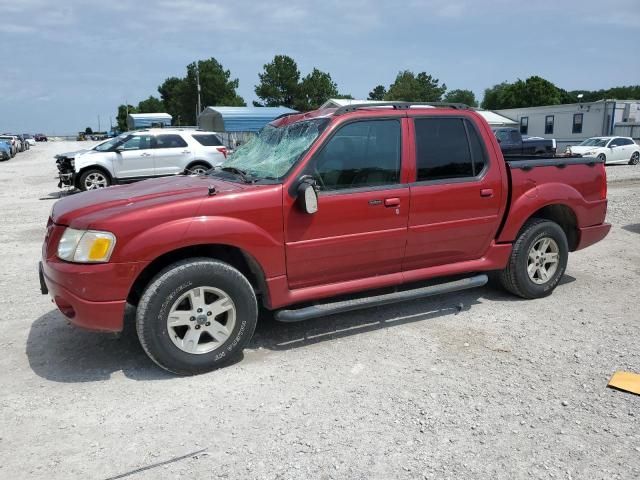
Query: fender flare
x=165, y=238
x=537, y=198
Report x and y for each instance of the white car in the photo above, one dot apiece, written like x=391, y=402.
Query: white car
x=139, y=155
x=609, y=149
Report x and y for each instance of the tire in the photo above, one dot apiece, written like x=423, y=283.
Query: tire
x=171, y=291
x=635, y=159
x=516, y=277
x=603, y=158
x=197, y=169
x=93, y=179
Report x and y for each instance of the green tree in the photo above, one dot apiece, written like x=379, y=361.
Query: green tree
x=494, y=97
x=121, y=118
x=151, y=105
x=279, y=83
x=170, y=93
x=88, y=130
x=461, y=96
x=378, y=93
x=416, y=88
x=315, y=89
x=532, y=92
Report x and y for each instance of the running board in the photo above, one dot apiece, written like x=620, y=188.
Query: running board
x=315, y=311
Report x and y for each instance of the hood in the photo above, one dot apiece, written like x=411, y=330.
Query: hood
x=72, y=154
x=583, y=149
x=84, y=209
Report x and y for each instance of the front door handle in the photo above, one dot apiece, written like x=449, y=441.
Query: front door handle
x=486, y=192
x=145, y=154
x=391, y=202
x=186, y=151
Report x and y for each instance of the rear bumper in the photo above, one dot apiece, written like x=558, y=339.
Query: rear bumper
x=590, y=235
x=90, y=296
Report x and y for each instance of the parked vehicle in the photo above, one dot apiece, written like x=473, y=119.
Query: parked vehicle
x=139, y=155
x=5, y=150
x=29, y=138
x=609, y=149
x=512, y=143
x=13, y=142
x=40, y=137
x=23, y=142
x=319, y=205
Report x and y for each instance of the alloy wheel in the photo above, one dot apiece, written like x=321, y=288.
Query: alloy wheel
x=95, y=180
x=543, y=260
x=201, y=320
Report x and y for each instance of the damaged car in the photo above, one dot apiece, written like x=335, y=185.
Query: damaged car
x=139, y=155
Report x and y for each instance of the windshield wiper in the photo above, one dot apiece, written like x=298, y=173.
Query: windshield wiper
x=241, y=173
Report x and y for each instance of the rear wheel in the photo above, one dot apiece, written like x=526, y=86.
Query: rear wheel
x=196, y=315
x=93, y=179
x=198, y=169
x=635, y=158
x=538, y=260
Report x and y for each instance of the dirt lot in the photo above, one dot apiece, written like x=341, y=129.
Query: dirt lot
x=471, y=385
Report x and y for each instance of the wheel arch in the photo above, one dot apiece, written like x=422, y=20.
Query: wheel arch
x=193, y=163
x=234, y=256
x=563, y=216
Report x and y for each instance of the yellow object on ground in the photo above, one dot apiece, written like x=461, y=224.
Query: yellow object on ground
x=627, y=381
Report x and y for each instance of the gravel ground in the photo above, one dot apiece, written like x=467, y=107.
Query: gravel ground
x=499, y=389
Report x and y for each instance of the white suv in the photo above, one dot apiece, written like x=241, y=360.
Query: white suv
x=139, y=155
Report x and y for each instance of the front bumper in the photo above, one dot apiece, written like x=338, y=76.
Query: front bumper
x=590, y=235
x=66, y=179
x=90, y=296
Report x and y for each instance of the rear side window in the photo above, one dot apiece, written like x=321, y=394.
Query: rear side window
x=208, y=140
x=446, y=148
x=170, y=141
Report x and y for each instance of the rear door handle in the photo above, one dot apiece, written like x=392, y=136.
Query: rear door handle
x=145, y=154
x=486, y=192
x=391, y=202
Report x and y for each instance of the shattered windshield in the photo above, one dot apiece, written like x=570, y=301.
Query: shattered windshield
x=594, y=142
x=275, y=150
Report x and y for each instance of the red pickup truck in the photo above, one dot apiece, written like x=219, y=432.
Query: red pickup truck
x=318, y=207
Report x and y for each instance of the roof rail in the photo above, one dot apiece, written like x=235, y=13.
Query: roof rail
x=399, y=106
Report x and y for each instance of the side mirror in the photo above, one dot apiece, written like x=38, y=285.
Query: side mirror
x=613, y=145
x=119, y=148
x=308, y=196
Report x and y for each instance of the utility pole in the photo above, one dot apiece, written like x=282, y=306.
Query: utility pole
x=199, y=107
x=99, y=124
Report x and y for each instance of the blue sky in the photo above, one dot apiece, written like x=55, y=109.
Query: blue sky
x=67, y=62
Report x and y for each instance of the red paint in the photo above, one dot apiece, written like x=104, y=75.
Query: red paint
x=358, y=240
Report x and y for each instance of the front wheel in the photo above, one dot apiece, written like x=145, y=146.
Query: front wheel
x=93, y=179
x=635, y=158
x=196, y=315
x=538, y=260
x=603, y=158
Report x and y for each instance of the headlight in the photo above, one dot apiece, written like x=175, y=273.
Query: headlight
x=589, y=153
x=86, y=246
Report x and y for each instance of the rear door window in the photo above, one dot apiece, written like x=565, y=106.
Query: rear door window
x=170, y=141
x=448, y=148
x=208, y=140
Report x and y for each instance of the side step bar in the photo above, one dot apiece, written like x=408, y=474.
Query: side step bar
x=315, y=311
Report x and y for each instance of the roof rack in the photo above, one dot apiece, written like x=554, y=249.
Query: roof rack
x=399, y=106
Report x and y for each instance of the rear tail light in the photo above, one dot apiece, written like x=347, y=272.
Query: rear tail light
x=603, y=187
x=222, y=150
